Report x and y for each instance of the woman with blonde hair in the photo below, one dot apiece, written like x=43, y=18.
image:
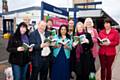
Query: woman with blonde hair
x=84, y=56
x=90, y=29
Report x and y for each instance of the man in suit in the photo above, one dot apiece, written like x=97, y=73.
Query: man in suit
x=40, y=54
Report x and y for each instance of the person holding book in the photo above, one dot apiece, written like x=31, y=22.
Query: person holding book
x=41, y=52
x=61, y=53
x=49, y=24
x=107, y=52
x=19, y=55
x=90, y=29
x=84, y=59
x=51, y=32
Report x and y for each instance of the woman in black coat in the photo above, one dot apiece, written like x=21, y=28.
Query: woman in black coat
x=19, y=54
x=84, y=58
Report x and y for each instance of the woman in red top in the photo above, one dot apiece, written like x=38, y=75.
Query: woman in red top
x=109, y=40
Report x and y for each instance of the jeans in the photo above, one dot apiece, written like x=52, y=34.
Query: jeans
x=19, y=72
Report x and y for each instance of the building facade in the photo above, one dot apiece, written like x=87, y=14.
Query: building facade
x=83, y=1
x=4, y=6
x=28, y=11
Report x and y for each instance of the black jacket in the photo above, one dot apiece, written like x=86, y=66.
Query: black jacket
x=15, y=57
x=35, y=38
x=86, y=46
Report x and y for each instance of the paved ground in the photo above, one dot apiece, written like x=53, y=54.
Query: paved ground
x=4, y=57
x=115, y=67
x=3, y=53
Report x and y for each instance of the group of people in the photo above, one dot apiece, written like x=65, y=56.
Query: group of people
x=64, y=55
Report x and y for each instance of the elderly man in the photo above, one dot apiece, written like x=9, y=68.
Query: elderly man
x=40, y=53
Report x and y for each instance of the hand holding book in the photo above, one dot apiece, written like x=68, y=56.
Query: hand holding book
x=46, y=44
x=27, y=46
x=76, y=38
x=75, y=43
x=64, y=42
x=20, y=49
x=104, y=41
x=50, y=41
x=52, y=32
x=80, y=39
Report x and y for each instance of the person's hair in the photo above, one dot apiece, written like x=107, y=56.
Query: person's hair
x=50, y=20
x=88, y=19
x=70, y=19
x=17, y=33
x=107, y=20
x=79, y=23
x=59, y=33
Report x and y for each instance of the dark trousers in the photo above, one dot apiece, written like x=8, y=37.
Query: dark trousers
x=40, y=71
x=106, y=63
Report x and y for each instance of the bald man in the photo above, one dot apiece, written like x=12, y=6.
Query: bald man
x=40, y=54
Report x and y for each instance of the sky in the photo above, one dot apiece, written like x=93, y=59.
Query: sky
x=30, y=3
x=112, y=8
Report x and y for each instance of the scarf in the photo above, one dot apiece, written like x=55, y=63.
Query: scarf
x=79, y=49
x=25, y=39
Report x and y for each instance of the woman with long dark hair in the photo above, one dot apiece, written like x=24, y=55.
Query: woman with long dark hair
x=61, y=54
x=19, y=55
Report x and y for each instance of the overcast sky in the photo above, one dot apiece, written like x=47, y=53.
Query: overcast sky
x=112, y=8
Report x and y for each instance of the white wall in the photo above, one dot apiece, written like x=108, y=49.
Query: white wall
x=19, y=4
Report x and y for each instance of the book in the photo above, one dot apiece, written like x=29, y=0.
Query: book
x=64, y=42
x=103, y=40
x=49, y=40
x=82, y=38
x=27, y=46
x=79, y=39
x=53, y=32
x=76, y=38
x=92, y=76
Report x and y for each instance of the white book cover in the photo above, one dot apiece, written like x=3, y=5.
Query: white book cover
x=45, y=51
x=103, y=40
x=82, y=38
x=28, y=46
x=64, y=42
